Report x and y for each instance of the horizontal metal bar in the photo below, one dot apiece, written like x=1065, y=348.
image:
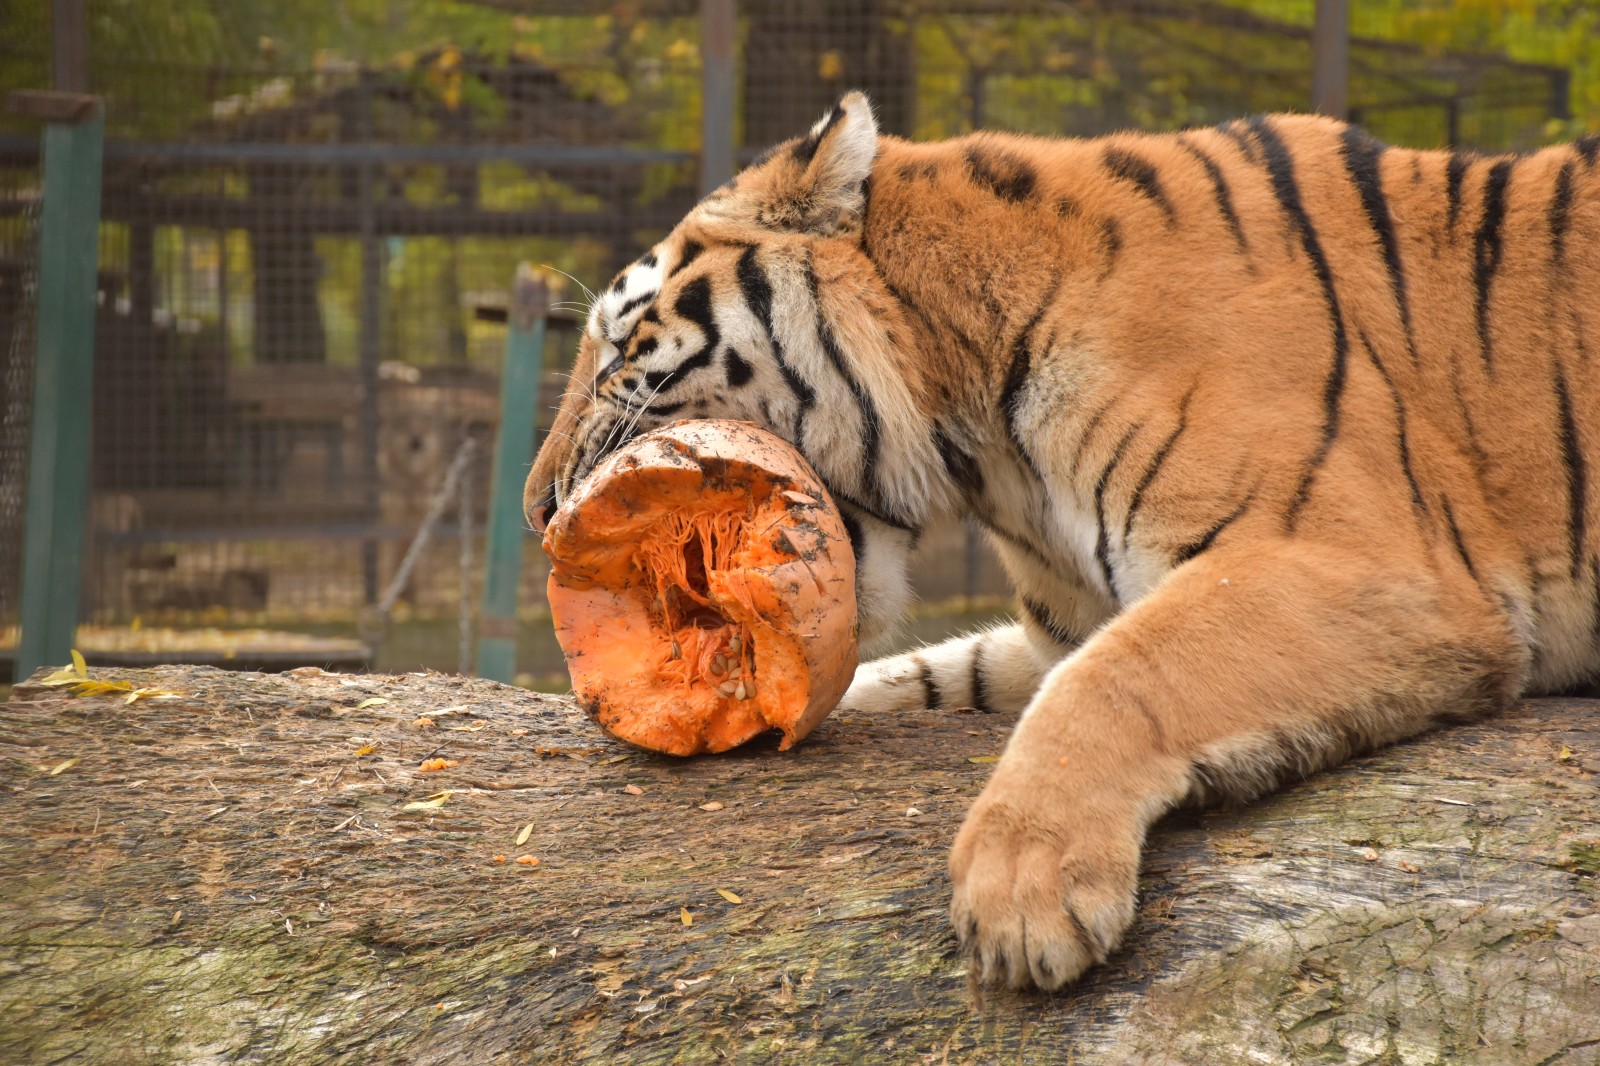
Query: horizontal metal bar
x=545, y=155
x=345, y=531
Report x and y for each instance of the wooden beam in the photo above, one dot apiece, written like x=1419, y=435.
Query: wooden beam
x=255, y=872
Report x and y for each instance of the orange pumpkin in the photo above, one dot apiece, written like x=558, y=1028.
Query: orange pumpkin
x=703, y=590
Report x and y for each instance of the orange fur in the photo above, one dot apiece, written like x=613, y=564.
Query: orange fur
x=1288, y=441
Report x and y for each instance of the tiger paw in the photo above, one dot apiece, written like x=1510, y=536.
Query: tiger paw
x=1040, y=897
x=886, y=685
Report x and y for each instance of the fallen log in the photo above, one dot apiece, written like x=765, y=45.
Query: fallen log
x=259, y=870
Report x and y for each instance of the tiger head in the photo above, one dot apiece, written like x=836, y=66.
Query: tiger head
x=763, y=305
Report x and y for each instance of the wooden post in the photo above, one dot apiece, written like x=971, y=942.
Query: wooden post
x=513, y=454
x=1330, y=58
x=717, y=24
x=58, y=448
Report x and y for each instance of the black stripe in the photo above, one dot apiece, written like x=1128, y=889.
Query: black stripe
x=932, y=698
x=1281, y=169
x=632, y=305
x=1487, y=249
x=1039, y=557
x=806, y=149
x=1111, y=244
x=1155, y=464
x=1183, y=555
x=691, y=251
x=857, y=535
x=1594, y=583
x=1588, y=148
x=1577, y=473
x=1362, y=155
x=737, y=368
x=1455, y=171
x=1088, y=432
x=658, y=380
x=1017, y=374
x=1046, y=620
x=904, y=525
x=1400, y=427
x=1560, y=208
x=1219, y=190
x=757, y=292
x=1125, y=166
x=1001, y=173
x=871, y=425
x=1455, y=537
x=960, y=464
x=980, y=695
x=694, y=304
x=1102, y=551
x=1240, y=134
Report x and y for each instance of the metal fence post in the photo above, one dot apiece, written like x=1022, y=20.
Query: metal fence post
x=513, y=453
x=716, y=93
x=1330, y=58
x=58, y=447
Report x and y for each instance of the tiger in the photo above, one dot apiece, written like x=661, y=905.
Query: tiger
x=1282, y=435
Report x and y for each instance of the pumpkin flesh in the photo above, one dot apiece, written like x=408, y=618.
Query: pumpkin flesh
x=703, y=590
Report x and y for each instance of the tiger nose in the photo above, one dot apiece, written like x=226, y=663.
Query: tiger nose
x=540, y=512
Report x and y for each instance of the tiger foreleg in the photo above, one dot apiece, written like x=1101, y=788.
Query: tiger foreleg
x=1236, y=673
x=993, y=670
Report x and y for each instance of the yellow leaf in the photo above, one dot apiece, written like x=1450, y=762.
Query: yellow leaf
x=685, y=916
x=1565, y=755
x=136, y=625
x=79, y=667
x=830, y=65
x=64, y=676
x=522, y=837
x=60, y=766
x=153, y=694
x=616, y=759
x=731, y=897
x=433, y=802
x=714, y=805
x=373, y=701
x=475, y=727
x=367, y=749
x=102, y=688
x=983, y=758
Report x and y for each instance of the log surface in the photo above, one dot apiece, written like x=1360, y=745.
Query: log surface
x=223, y=878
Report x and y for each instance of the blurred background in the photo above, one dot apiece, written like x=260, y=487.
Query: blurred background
x=312, y=211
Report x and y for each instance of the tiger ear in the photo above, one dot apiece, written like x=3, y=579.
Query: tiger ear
x=822, y=189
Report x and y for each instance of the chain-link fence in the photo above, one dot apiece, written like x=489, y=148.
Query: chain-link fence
x=304, y=265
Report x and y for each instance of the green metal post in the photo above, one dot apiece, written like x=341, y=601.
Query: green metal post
x=58, y=448
x=513, y=455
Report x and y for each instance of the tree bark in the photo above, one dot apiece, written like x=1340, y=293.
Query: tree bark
x=226, y=877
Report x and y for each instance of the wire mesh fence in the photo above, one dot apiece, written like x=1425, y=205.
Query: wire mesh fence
x=305, y=261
